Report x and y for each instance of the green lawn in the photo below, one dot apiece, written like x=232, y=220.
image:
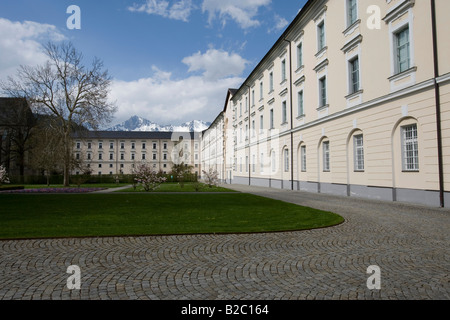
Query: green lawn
x=176, y=187
x=76, y=215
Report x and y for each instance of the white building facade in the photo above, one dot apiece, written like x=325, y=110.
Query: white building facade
x=353, y=99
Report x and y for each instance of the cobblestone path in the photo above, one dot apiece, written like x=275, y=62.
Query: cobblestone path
x=410, y=244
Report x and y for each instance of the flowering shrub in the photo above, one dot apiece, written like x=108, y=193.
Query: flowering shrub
x=3, y=176
x=149, y=179
x=211, y=177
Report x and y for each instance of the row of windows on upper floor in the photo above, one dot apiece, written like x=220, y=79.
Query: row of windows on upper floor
x=409, y=154
x=89, y=156
x=133, y=145
x=401, y=56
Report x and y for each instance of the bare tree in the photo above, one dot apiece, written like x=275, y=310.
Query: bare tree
x=76, y=94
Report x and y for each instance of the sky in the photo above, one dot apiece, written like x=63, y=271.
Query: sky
x=171, y=61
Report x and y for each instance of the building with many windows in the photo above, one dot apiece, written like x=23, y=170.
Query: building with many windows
x=353, y=99
x=113, y=153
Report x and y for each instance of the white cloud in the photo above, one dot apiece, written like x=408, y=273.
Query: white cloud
x=168, y=101
x=243, y=12
x=280, y=24
x=165, y=100
x=216, y=64
x=20, y=44
x=180, y=10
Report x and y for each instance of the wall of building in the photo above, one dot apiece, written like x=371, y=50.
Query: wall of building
x=385, y=102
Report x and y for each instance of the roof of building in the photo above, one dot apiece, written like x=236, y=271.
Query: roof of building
x=14, y=111
x=280, y=40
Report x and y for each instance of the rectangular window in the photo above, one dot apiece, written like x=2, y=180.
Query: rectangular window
x=323, y=92
x=154, y=146
x=143, y=156
x=253, y=128
x=122, y=156
x=253, y=163
x=402, y=50
x=240, y=164
x=253, y=97
x=286, y=160
x=262, y=162
x=111, y=156
x=165, y=156
x=300, y=55
x=261, y=88
x=133, y=156
x=274, y=163
x=100, y=145
x=165, y=145
x=352, y=11
x=246, y=163
x=283, y=112
x=261, y=124
x=78, y=156
x=133, y=145
x=326, y=156
x=111, y=145
x=89, y=145
x=78, y=145
x=410, y=148
x=358, y=144
x=143, y=145
x=301, y=110
x=271, y=119
x=321, y=36
x=89, y=156
x=271, y=82
x=154, y=156
x=283, y=70
x=354, y=75
x=100, y=156
x=122, y=145
x=303, y=158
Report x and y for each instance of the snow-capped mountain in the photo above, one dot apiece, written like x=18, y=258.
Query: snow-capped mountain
x=137, y=123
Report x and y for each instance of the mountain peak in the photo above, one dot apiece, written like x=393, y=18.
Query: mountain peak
x=137, y=123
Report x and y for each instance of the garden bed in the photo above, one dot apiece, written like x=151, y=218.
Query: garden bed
x=52, y=190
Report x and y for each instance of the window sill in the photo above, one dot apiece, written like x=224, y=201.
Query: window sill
x=351, y=28
x=402, y=74
x=321, y=52
x=354, y=94
x=323, y=107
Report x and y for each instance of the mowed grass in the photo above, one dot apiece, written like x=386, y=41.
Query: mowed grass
x=90, y=215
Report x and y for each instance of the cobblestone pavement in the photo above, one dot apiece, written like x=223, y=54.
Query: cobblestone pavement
x=410, y=244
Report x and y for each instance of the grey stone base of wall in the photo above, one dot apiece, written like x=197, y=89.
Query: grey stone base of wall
x=424, y=197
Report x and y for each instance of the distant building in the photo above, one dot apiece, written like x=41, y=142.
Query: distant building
x=16, y=123
x=112, y=152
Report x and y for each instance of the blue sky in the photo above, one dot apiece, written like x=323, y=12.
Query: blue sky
x=171, y=60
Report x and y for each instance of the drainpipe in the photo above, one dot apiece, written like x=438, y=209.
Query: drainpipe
x=438, y=103
x=290, y=104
